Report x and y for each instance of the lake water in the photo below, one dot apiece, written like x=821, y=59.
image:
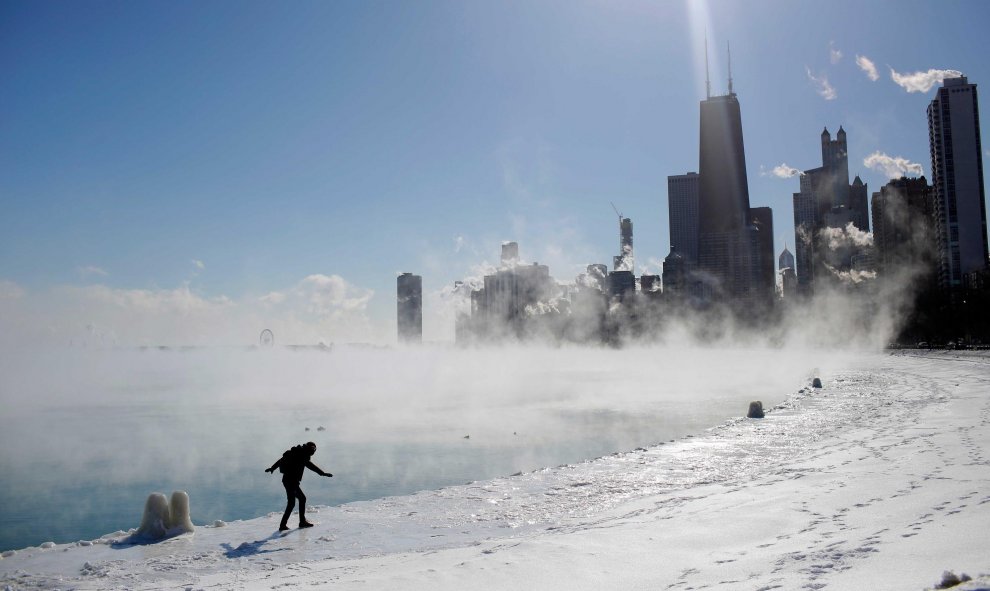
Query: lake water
x=85, y=436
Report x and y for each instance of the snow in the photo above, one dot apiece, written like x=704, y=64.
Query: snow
x=879, y=480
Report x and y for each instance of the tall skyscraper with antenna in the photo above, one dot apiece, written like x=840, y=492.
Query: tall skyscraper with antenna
x=728, y=243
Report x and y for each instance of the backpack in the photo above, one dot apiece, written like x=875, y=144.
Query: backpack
x=286, y=458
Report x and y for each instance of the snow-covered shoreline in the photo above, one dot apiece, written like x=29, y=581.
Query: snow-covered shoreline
x=880, y=480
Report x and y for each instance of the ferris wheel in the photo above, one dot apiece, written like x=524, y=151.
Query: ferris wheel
x=267, y=338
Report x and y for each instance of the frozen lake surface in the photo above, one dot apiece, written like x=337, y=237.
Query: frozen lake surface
x=85, y=436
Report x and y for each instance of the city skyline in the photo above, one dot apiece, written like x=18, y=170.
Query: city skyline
x=192, y=179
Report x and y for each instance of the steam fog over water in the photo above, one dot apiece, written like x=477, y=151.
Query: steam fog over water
x=86, y=435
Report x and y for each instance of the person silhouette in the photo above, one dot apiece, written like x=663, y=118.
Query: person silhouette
x=292, y=464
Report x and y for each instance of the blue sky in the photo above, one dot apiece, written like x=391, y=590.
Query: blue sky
x=226, y=166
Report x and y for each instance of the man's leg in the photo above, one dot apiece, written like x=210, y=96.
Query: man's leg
x=302, y=508
x=290, y=503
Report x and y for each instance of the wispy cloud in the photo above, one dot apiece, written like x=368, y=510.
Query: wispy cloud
x=867, y=65
x=198, y=264
x=822, y=85
x=834, y=55
x=88, y=271
x=781, y=171
x=892, y=166
x=922, y=81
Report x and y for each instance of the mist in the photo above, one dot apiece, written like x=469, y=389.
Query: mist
x=97, y=414
x=95, y=431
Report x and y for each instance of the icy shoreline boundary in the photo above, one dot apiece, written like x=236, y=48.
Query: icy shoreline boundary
x=880, y=480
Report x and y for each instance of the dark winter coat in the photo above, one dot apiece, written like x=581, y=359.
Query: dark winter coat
x=293, y=462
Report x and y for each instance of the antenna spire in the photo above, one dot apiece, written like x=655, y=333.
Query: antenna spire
x=708, y=82
x=729, y=51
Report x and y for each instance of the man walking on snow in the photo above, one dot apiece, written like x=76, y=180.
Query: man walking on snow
x=292, y=464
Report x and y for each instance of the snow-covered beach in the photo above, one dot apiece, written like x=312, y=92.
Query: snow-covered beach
x=879, y=480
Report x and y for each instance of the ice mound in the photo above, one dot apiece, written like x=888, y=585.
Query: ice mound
x=950, y=579
x=179, y=511
x=163, y=518
x=755, y=410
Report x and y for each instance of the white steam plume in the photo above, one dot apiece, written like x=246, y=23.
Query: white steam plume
x=850, y=235
x=853, y=276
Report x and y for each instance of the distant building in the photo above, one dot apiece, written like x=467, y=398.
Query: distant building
x=723, y=192
x=598, y=276
x=788, y=283
x=786, y=259
x=674, y=274
x=859, y=204
x=508, y=294
x=762, y=219
x=957, y=177
x=649, y=284
x=728, y=244
x=903, y=227
x=511, y=302
x=621, y=285
x=624, y=260
x=834, y=191
x=682, y=206
x=827, y=200
x=409, y=298
x=806, y=223
x=510, y=253
x=788, y=276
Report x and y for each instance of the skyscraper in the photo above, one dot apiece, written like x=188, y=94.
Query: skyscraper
x=723, y=192
x=835, y=164
x=827, y=200
x=786, y=260
x=409, y=298
x=805, y=228
x=510, y=253
x=682, y=206
x=859, y=204
x=761, y=219
x=957, y=178
x=674, y=274
x=788, y=278
x=624, y=260
x=903, y=227
x=728, y=245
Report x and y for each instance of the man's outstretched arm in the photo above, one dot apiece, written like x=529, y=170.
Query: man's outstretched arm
x=318, y=470
x=274, y=466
